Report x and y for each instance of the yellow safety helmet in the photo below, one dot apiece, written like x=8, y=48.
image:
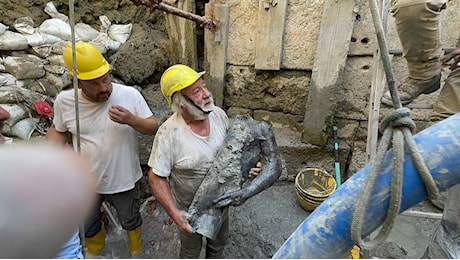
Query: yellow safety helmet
x=90, y=62
x=176, y=78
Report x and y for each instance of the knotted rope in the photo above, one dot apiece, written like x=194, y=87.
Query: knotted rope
x=397, y=127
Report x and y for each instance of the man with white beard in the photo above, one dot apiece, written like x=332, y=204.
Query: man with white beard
x=184, y=148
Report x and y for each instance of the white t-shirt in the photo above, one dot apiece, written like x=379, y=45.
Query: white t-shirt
x=185, y=157
x=110, y=147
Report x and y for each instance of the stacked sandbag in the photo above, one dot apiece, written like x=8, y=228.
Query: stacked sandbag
x=34, y=69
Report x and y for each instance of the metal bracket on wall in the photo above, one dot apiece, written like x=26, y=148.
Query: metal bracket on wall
x=207, y=21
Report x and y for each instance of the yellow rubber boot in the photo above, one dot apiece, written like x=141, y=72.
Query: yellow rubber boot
x=96, y=244
x=135, y=240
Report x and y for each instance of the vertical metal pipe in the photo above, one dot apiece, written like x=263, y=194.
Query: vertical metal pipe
x=338, y=178
x=75, y=87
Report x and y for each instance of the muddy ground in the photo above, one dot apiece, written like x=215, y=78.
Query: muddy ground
x=262, y=224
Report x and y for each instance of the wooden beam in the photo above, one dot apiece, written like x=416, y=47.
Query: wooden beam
x=271, y=21
x=216, y=53
x=331, y=55
x=182, y=35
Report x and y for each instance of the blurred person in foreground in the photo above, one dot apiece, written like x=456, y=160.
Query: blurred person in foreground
x=45, y=192
x=72, y=247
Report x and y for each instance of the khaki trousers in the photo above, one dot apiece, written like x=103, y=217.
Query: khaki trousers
x=448, y=102
x=417, y=25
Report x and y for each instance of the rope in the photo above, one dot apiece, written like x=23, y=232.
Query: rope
x=397, y=128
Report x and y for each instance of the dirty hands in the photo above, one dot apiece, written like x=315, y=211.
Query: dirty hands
x=455, y=55
x=254, y=172
x=184, y=223
x=120, y=114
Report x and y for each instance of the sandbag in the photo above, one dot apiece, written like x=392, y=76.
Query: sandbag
x=17, y=95
x=17, y=113
x=10, y=41
x=26, y=67
x=22, y=129
x=56, y=27
x=24, y=25
x=104, y=43
x=44, y=86
x=59, y=81
x=120, y=32
x=7, y=79
x=40, y=38
x=3, y=28
x=85, y=32
x=51, y=10
x=56, y=60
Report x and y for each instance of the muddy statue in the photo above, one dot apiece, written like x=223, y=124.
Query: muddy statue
x=226, y=183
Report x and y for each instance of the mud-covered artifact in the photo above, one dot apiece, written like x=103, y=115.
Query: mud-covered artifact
x=247, y=142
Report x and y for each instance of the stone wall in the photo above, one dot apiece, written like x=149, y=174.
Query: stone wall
x=286, y=91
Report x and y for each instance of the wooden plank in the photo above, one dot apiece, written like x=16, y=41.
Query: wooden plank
x=378, y=83
x=216, y=53
x=331, y=54
x=271, y=23
x=182, y=35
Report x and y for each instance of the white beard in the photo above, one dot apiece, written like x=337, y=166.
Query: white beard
x=201, y=113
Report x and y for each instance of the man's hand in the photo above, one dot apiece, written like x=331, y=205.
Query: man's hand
x=453, y=55
x=120, y=114
x=184, y=223
x=254, y=172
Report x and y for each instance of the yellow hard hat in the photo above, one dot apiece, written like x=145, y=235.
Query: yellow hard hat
x=177, y=77
x=90, y=62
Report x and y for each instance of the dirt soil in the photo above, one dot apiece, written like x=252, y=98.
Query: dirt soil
x=262, y=224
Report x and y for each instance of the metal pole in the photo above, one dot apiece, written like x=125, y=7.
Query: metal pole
x=81, y=228
x=338, y=178
x=207, y=21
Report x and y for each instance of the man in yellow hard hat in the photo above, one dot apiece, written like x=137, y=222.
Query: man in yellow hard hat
x=111, y=115
x=183, y=151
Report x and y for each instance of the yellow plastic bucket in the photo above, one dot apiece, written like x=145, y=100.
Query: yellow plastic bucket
x=313, y=186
